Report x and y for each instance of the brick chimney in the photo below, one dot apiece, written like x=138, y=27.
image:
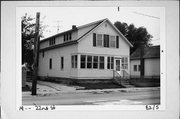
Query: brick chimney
x=74, y=27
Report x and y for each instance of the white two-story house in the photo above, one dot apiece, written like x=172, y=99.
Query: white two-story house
x=91, y=51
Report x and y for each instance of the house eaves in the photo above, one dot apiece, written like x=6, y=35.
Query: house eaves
x=59, y=34
x=59, y=45
x=98, y=25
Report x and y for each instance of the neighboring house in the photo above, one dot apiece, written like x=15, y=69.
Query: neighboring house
x=91, y=51
x=151, y=56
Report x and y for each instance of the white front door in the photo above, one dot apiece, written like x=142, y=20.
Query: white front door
x=118, y=65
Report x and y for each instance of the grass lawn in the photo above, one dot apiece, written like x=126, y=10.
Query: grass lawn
x=99, y=85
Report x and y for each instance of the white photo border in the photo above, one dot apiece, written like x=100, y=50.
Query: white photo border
x=92, y=107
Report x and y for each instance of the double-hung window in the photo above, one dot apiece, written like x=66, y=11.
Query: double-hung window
x=112, y=42
x=99, y=41
x=101, y=62
x=95, y=62
x=125, y=63
x=106, y=40
x=74, y=61
x=110, y=62
x=52, y=41
x=135, y=67
x=67, y=37
x=83, y=61
x=89, y=62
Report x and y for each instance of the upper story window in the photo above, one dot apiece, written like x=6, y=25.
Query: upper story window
x=52, y=41
x=99, y=40
x=112, y=42
x=67, y=37
x=105, y=40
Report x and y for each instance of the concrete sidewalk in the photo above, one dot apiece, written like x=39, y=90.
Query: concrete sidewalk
x=49, y=88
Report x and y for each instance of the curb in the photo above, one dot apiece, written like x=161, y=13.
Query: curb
x=25, y=94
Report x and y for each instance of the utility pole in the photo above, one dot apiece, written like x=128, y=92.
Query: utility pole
x=141, y=62
x=36, y=55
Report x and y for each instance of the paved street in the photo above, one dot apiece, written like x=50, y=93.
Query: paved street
x=103, y=97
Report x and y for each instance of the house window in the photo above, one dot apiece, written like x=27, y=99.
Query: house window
x=52, y=41
x=110, y=63
x=83, y=61
x=50, y=63
x=62, y=63
x=89, y=62
x=101, y=62
x=67, y=37
x=99, y=40
x=74, y=61
x=95, y=62
x=125, y=63
x=112, y=41
x=135, y=67
x=106, y=40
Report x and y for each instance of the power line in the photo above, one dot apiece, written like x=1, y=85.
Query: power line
x=146, y=15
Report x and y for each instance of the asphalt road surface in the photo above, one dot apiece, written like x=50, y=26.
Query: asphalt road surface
x=146, y=97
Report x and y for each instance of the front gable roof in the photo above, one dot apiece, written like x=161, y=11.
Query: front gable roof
x=96, y=23
x=113, y=28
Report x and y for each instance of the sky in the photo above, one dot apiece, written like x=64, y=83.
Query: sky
x=148, y=17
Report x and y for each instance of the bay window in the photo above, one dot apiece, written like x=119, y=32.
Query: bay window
x=101, y=62
x=95, y=62
x=83, y=61
x=89, y=62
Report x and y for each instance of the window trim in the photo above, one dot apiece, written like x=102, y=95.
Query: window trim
x=67, y=37
x=74, y=60
x=110, y=63
x=108, y=36
x=135, y=67
x=84, y=62
x=101, y=62
x=96, y=62
x=116, y=40
x=125, y=63
x=101, y=39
